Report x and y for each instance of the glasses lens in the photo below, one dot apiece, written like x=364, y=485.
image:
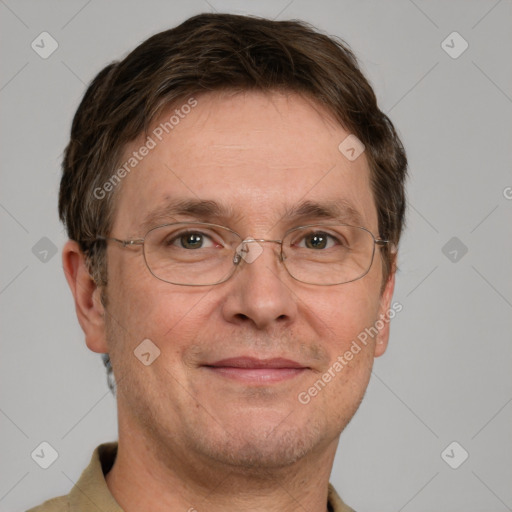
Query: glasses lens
x=191, y=253
x=328, y=254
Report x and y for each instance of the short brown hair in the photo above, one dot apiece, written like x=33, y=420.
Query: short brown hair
x=211, y=52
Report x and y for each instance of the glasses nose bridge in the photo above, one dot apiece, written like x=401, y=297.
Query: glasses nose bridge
x=262, y=240
x=241, y=250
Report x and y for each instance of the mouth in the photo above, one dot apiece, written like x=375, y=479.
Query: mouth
x=251, y=370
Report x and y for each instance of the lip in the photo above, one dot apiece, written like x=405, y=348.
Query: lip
x=254, y=362
x=251, y=370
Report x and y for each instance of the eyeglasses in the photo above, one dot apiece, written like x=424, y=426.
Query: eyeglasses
x=204, y=254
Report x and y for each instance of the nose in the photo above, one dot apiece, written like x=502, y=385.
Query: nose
x=260, y=291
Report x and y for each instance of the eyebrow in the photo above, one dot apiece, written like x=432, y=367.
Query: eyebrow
x=338, y=210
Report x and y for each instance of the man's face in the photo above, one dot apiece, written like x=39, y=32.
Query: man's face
x=257, y=156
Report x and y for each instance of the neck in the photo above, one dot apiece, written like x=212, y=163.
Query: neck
x=149, y=477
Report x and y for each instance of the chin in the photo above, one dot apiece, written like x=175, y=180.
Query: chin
x=259, y=446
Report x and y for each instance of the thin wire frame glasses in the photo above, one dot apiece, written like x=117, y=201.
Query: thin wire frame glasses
x=205, y=254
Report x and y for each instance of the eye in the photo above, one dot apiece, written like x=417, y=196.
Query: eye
x=191, y=240
x=318, y=240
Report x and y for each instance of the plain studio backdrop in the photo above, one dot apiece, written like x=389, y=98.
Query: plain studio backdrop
x=433, y=432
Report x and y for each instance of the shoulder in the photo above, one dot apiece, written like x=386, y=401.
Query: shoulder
x=60, y=504
x=335, y=503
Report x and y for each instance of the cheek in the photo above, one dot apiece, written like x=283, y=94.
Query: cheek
x=145, y=310
x=144, y=307
x=342, y=312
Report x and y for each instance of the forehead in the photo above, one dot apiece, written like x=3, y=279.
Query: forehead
x=258, y=155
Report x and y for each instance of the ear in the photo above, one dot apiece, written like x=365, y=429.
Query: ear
x=87, y=296
x=382, y=337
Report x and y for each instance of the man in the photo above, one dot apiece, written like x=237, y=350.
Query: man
x=234, y=200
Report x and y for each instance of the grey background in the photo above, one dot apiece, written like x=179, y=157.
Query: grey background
x=446, y=374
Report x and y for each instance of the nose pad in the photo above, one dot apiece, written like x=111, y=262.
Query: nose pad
x=249, y=250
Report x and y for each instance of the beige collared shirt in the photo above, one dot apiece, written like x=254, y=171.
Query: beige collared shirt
x=91, y=493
